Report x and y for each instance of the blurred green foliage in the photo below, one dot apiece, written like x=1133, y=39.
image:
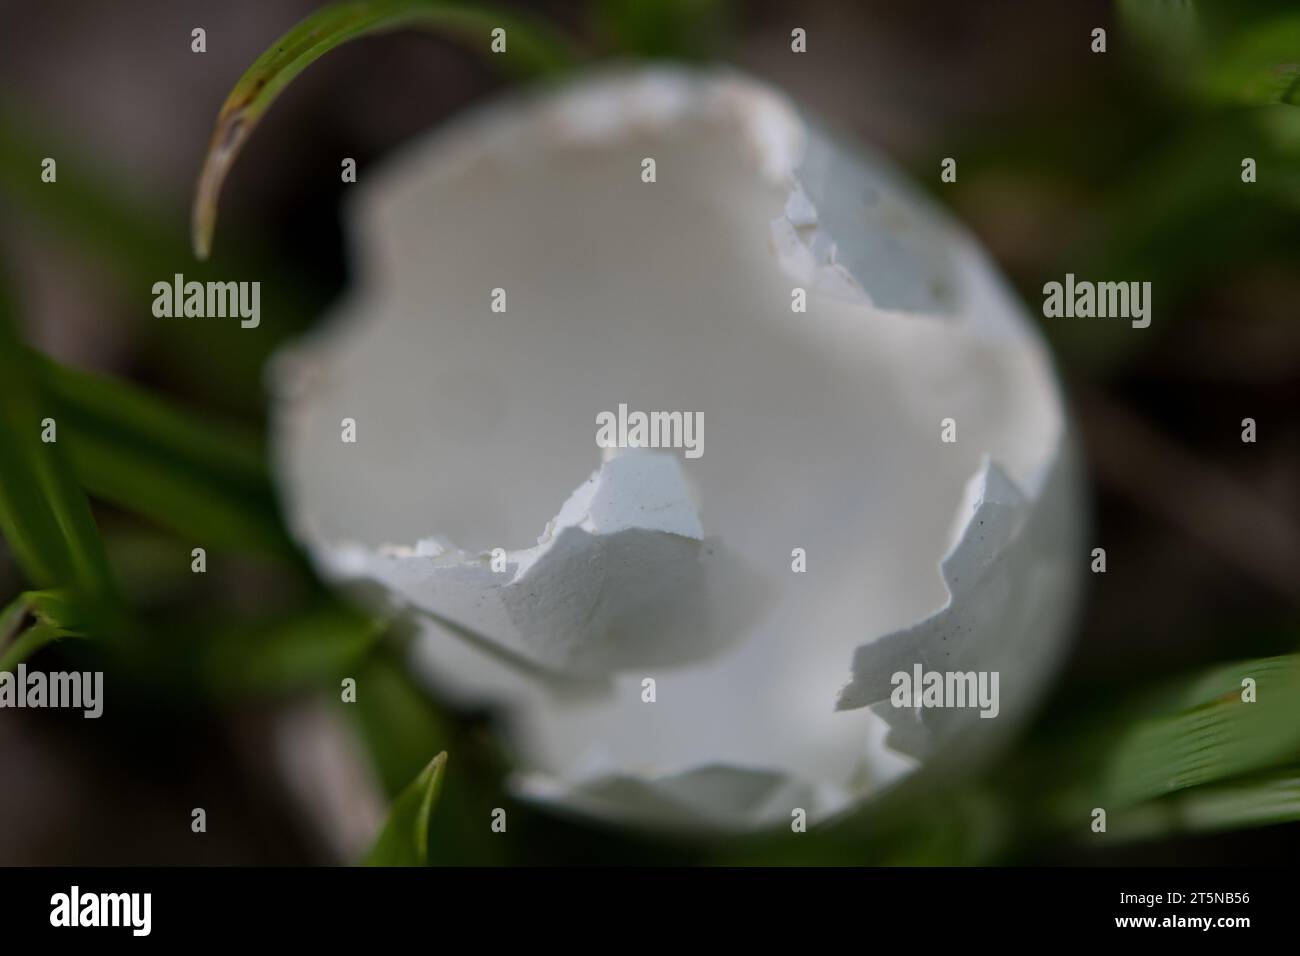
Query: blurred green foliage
x=1146, y=167
x=1222, y=51
x=667, y=29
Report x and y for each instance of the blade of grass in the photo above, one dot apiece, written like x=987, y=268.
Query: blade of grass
x=404, y=840
x=201, y=510
x=36, y=618
x=1168, y=740
x=400, y=725
x=226, y=452
x=532, y=47
x=1210, y=740
x=202, y=480
x=44, y=515
x=29, y=642
x=1253, y=801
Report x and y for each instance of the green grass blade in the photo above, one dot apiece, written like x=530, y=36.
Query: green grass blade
x=206, y=513
x=531, y=47
x=60, y=610
x=400, y=725
x=1212, y=739
x=1258, y=800
x=404, y=840
x=192, y=509
x=115, y=406
x=44, y=515
x=36, y=618
x=1170, y=740
x=28, y=643
x=197, y=478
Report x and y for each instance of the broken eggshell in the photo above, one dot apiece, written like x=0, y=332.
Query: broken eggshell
x=771, y=686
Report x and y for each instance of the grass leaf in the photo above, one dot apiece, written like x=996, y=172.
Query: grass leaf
x=227, y=453
x=400, y=725
x=1163, y=742
x=28, y=643
x=44, y=515
x=1256, y=800
x=530, y=47
x=1215, y=736
x=51, y=615
x=199, y=479
x=404, y=840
